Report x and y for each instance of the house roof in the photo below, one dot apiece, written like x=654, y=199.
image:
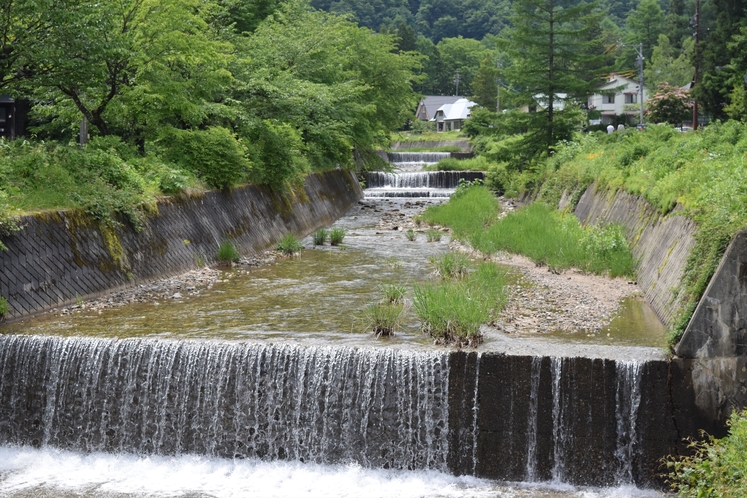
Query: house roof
x=433, y=102
x=458, y=110
x=615, y=81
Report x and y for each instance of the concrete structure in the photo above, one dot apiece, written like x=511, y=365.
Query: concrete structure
x=617, y=97
x=450, y=117
x=63, y=256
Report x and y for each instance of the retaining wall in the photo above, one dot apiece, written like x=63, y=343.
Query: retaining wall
x=403, y=146
x=661, y=244
x=63, y=256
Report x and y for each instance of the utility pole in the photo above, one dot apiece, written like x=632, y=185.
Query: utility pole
x=639, y=62
x=696, y=22
x=456, y=81
x=498, y=84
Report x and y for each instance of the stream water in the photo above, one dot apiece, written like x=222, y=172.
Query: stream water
x=189, y=370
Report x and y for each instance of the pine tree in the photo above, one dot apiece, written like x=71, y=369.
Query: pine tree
x=555, y=61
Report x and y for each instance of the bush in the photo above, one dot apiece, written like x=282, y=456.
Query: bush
x=214, y=155
x=289, y=245
x=336, y=235
x=717, y=467
x=276, y=152
x=4, y=306
x=320, y=237
x=227, y=252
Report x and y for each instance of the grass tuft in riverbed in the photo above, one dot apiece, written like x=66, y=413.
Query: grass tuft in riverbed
x=453, y=310
x=289, y=245
x=228, y=253
x=320, y=237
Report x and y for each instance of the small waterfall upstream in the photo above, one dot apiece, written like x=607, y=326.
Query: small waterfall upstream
x=409, y=181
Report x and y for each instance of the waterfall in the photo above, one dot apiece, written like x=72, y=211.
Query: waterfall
x=475, y=414
x=420, y=179
x=417, y=158
x=559, y=433
x=375, y=407
x=531, y=464
x=628, y=399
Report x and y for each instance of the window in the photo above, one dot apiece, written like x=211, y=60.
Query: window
x=609, y=99
x=631, y=98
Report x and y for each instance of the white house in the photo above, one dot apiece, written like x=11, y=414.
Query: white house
x=618, y=96
x=429, y=104
x=452, y=116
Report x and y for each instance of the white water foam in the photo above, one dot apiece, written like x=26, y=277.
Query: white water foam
x=26, y=471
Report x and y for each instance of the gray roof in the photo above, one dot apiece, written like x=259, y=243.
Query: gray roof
x=457, y=110
x=433, y=102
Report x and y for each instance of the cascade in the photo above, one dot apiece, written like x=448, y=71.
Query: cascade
x=531, y=465
x=375, y=407
x=417, y=158
x=420, y=179
x=628, y=399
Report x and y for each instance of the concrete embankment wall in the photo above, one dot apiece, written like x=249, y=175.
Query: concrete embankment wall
x=661, y=244
x=712, y=354
x=63, y=256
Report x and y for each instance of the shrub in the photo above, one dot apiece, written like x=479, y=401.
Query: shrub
x=214, y=155
x=410, y=234
x=276, y=152
x=320, y=237
x=383, y=318
x=433, y=235
x=336, y=235
x=289, y=245
x=4, y=307
x=717, y=467
x=227, y=252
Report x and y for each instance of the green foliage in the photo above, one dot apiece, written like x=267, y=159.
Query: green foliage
x=433, y=236
x=452, y=311
x=320, y=236
x=383, y=318
x=4, y=306
x=336, y=235
x=467, y=212
x=702, y=172
x=717, y=467
x=214, y=155
x=410, y=234
x=8, y=222
x=227, y=252
x=289, y=245
x=393, y=293
x=451, y=265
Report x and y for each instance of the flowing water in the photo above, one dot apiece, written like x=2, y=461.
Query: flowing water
x=240, y=392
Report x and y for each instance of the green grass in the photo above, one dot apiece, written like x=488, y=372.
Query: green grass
x=336, y=235
x=4, y=306
x=428, y=136
x=468, y=211
x=410, y=234
x=228, y=253
x=433, y=236
x=393, y=293
x=717, y=467
x=289, y=245
x=320, y=236
x=537, y=231
x=452, y=311
x=448, y=148
x=382, y=319
x=451, y=265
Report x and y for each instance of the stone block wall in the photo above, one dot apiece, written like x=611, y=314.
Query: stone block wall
x=63, y=256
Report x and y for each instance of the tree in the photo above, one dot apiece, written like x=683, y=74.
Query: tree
x=463, y=55
x=644, y=25
x=485, y=85
x=555, y=61
x=669, y=104
x=666, y=66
